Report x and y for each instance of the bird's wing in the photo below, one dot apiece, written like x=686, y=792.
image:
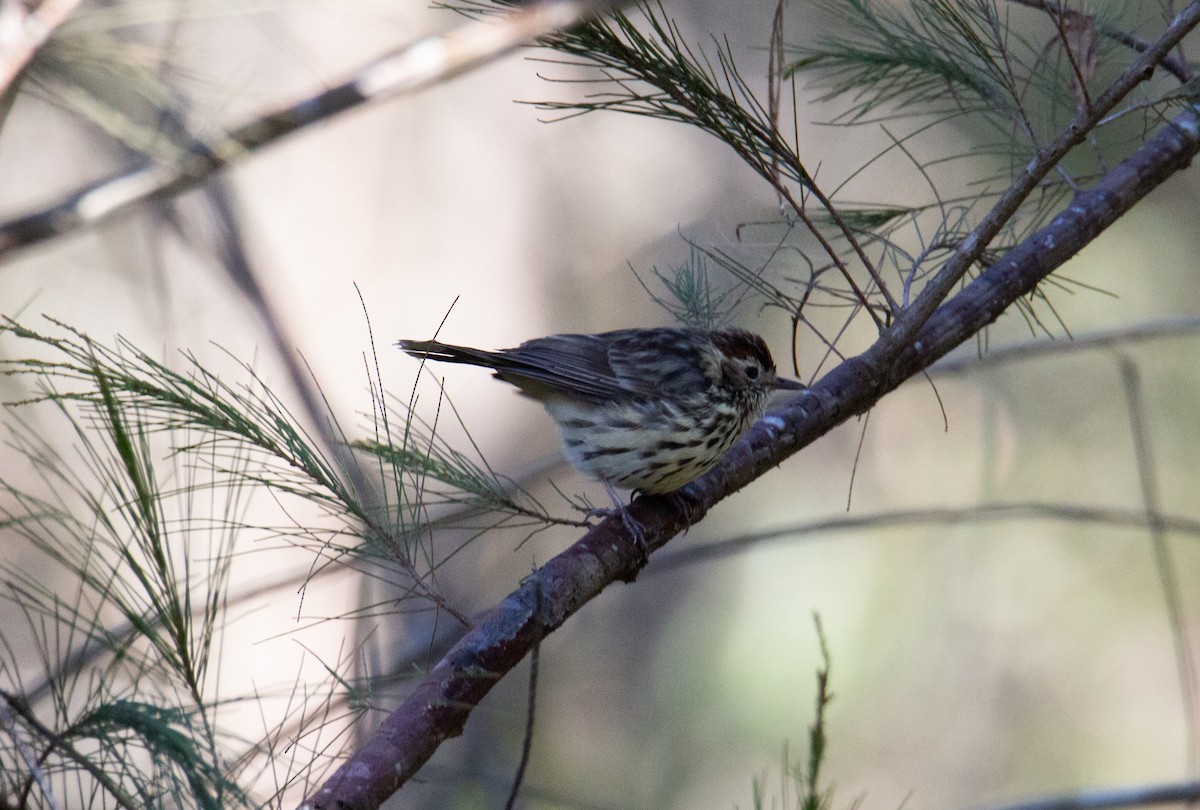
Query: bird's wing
x=626, y=364
x=576, y=365
x=570, y=365
x=658, y=362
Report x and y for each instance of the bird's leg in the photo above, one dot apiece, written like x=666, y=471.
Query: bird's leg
x=632, y=526
x=685, y=502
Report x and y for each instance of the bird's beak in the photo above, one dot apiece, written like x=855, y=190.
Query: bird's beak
x=784, y=384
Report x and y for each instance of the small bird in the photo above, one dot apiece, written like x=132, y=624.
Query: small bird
x=642, y=409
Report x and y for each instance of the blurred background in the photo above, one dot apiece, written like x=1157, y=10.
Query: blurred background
x=974, y=661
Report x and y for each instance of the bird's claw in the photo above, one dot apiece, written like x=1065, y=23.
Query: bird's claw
x=635, y=529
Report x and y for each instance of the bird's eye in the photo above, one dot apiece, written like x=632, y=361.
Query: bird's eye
x=751, y=372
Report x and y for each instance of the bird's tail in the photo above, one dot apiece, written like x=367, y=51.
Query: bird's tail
x=444, y=352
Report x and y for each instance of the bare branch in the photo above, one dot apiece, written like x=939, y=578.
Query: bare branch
x=411, y=68
x=1140, y=796
x=24, y=30
x=969, y=251
x=1166, y=565
x=1179, y=326
x=1175, y=67
x=990, y=512
x=438, y=708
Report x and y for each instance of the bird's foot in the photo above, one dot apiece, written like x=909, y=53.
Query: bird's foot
x=627, y=520
x=687, y=503
x=635, y=530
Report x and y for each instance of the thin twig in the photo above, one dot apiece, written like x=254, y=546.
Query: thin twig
x=986, y=513
x=1173, y=66
x=969, y=251
x=37, y=774
x=1181, y=326
x=1139, y=796
x=535, y=655
x=411, y=68
x=69, y=751
x=23, y=30
x=1185, y=657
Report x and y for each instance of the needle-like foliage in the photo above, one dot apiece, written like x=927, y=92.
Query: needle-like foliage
x=140, y=547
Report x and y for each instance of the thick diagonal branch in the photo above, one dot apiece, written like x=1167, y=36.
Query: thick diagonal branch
x=438, y=708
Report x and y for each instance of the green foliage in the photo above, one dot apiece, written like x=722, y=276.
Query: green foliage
x=169, y=735
x=691, y=298
x=136, y=535
x=1010, y=78
x=94, y=70
x=657, y=73
x=123, y=618
x=800, y=782
x=917, y=57
x=127, y=618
